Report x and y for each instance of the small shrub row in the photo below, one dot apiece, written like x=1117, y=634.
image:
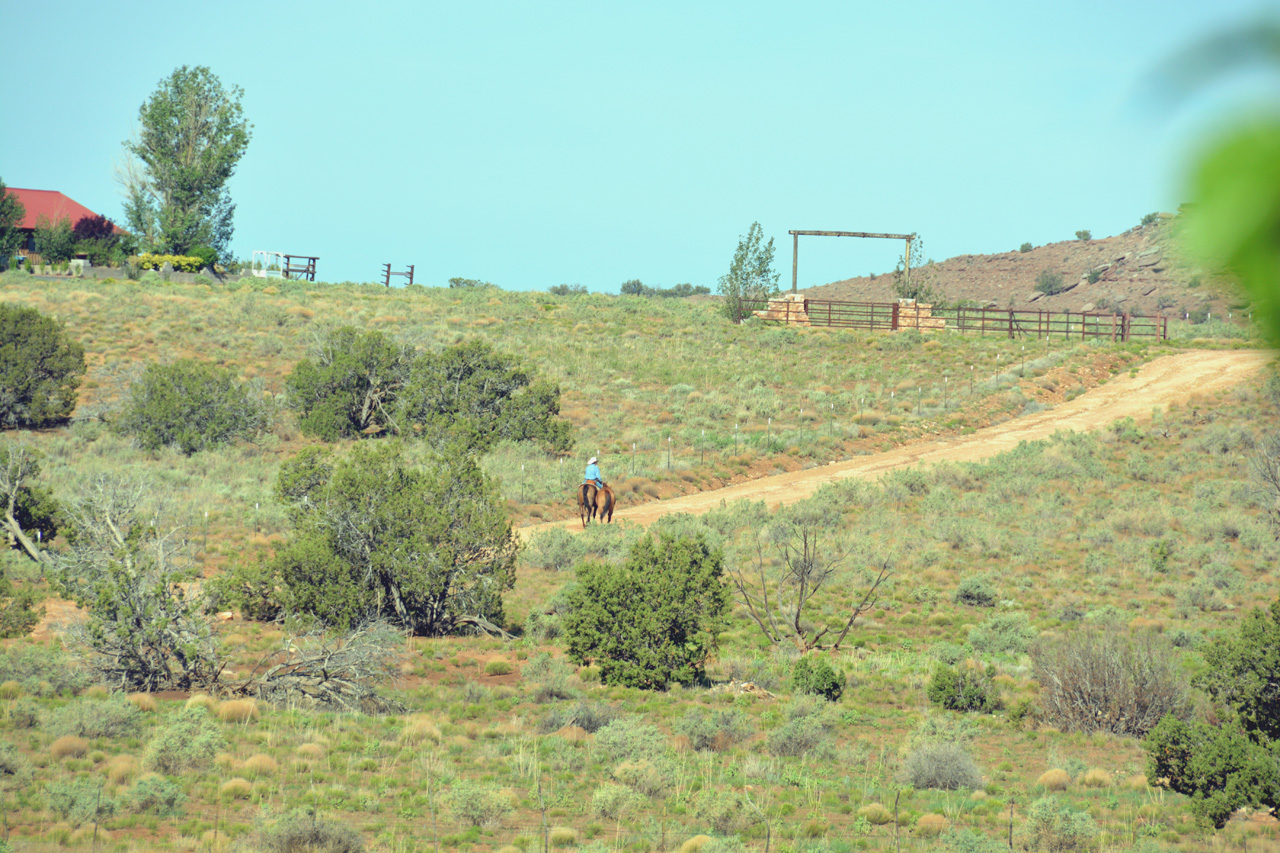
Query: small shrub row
x=180, y=263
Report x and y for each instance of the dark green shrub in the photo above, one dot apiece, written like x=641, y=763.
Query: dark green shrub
x=114, y=717
x=250, y=588
x=79, y=801
x=207, y=254
x=189, y=742
x=975, y=591
x=718, y=730
x=40, y=369
x=1049, y=283
x=1085, y=235
x=190, y=405
x=24, y=713
x=1150, y=218
x=946, y=766
x=20, y=609
x=428, y=547
x=959, y=840
x=476, y=805
x=1108, y=680
x=304, y=830
x=817, y=677
x=155, y=795
x=1223, y=767
x=653, y=620
x=55, y=239
x=1024, y=248
x=964, y=689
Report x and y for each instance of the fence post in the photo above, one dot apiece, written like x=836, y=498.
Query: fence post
x=1010, y=324
x=893, y=321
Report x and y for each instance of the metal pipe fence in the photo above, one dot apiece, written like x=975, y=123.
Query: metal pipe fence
x=1012, y=323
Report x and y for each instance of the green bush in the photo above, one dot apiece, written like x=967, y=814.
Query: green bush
x=629, y=739
x=114, y=717
x=55, y=240
x=590, y=716
x=15, y=770
x=964, y=689
x=207, y=255
x=155, y=795
x=945, y=766
x=1024, y=248
x=718, y=730
x=250, y=588
x=653, y=620
x=192, y=406
x=807, y=729
x=42, y=670
x=1085, y=235
x=613, y=801
x=79, y=801
x=189, y=742
x=817, y=678
x=1150, y=218
x=1007, y=635
x=1049, y=283
x=1055, y=826
x=304, y=830
x=477, y=805
x=40, y=369
x=975, y=591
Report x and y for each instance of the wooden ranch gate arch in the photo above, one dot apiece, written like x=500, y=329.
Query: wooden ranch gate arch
x=795, y=246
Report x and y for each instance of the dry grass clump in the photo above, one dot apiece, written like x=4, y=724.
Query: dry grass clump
x=930, y=825
x=260, y=765
x=693, y=845
x=225, y=761
x=572, y=734
x=144, y=702
x=310, y=751
x=236, y=789
x=69, y=746
x=202, y=700
x=10, y=690
x=419, y=729
x=1136, y=783
x=237, y=710
x=1054, y=780
x=876, y=814
x=1096, y=777
x=562, y=836
x=97, y=691
x=121, y=769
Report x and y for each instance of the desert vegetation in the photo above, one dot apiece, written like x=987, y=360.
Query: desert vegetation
x=890, y=664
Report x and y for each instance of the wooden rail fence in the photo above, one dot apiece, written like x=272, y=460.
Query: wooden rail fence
x=1012, y=323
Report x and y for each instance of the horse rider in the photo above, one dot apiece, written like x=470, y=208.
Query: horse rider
x=592, y=474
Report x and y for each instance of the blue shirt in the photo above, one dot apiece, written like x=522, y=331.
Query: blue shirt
x=593, y=473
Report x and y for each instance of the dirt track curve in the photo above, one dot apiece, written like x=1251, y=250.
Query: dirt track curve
x=1170, y=379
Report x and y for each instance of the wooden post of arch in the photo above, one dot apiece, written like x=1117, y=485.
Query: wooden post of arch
x=795, y=246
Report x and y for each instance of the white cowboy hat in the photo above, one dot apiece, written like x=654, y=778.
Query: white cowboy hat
x=591, y=461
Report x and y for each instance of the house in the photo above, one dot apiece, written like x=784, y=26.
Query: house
x=54, y=206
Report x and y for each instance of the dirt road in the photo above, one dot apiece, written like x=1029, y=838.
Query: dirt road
x=1171, y=379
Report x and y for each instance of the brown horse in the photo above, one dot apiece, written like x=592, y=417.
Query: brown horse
x=595, y=503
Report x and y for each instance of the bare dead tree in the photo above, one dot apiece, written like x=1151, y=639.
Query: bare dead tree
x=147, y=629
x=1265, y=465
x=790, y=563
x=19, y=467
x=321, y=670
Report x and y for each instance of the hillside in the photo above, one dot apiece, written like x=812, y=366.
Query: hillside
x=1150, y=525
x=1141, y=271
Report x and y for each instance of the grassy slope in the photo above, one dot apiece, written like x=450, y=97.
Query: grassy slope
x=1061, y=528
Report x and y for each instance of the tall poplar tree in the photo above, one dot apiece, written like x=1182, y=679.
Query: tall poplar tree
x=192, y=135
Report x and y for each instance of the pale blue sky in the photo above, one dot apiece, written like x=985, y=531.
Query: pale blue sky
x=534, y=144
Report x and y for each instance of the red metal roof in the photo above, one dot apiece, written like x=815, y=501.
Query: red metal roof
x=52, y=204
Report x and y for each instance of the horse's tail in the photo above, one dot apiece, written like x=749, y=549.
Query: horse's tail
x=604, y=504
x=587, y=499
